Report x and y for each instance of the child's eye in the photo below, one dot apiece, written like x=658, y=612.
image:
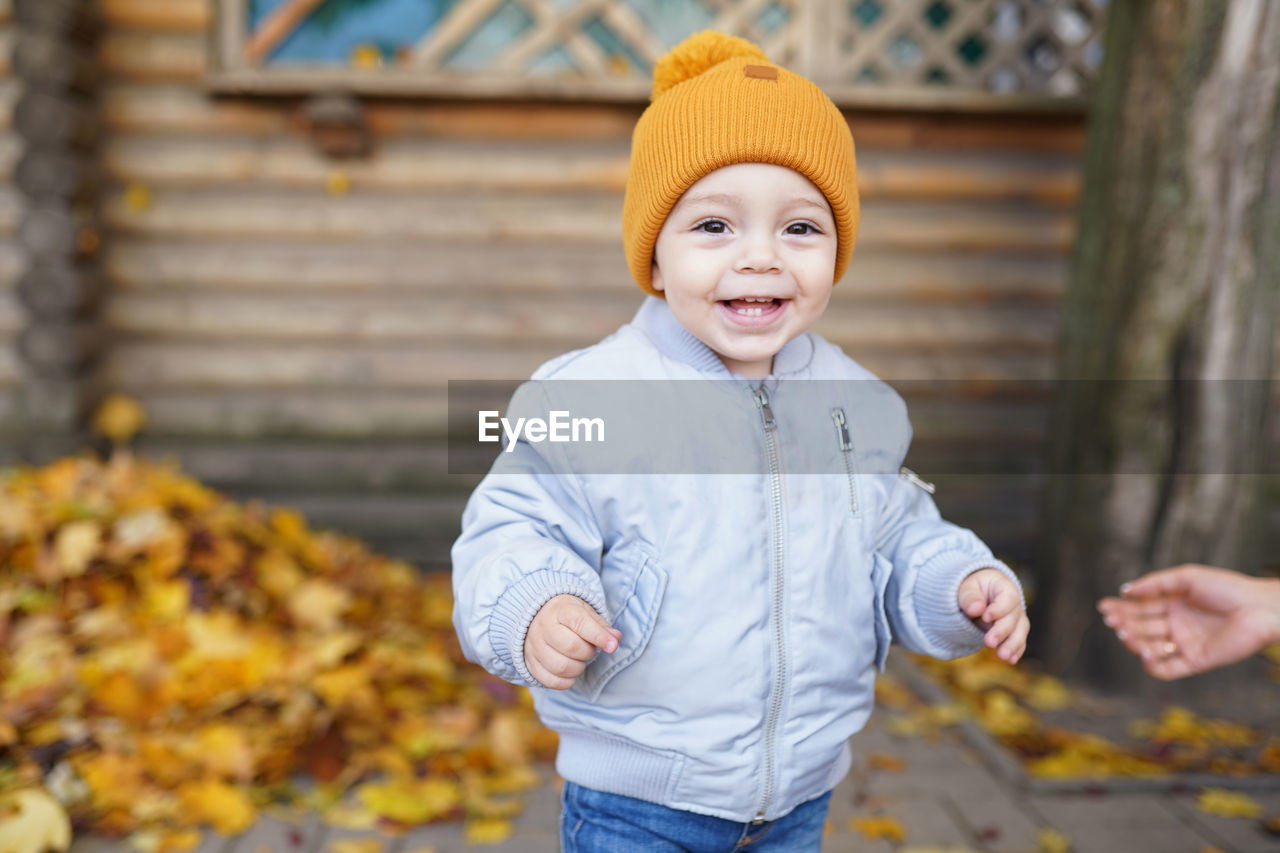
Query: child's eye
x=710, y=226
x=805, y=229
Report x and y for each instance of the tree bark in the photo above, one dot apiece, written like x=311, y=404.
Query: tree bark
x=1159, y=427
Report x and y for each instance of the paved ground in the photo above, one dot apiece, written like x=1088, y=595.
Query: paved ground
x=945, y=796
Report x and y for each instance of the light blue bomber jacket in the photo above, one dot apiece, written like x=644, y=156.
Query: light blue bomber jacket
x=754, y=608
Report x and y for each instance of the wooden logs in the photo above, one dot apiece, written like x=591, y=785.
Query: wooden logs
x=54, y=64
x=60, y=174
x=60, y=289
x=55, y=117
x=43, y=118
x=60, y=348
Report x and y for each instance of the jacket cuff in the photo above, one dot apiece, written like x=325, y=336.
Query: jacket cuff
x=941, y=620
x=514, y=611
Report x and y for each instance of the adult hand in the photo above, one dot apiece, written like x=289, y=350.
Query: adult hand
x=1192, y=618
x=993, y=602
x=563, y=638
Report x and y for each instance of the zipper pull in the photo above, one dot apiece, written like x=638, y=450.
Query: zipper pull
x=762, y=400
x=842, y=430
x=912, y=477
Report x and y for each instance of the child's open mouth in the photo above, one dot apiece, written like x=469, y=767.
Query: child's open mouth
x=753, y=310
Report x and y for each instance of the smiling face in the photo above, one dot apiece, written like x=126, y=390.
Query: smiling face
x=746, y=260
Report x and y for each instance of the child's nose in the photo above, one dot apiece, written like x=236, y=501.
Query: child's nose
x=759, y=254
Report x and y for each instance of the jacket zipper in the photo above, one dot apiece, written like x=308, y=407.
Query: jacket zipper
x=775, y=706
x=846, y=448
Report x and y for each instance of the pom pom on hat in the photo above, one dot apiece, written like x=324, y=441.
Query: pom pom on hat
x=696, y=54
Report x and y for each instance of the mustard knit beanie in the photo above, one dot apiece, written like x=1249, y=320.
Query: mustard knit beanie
x=717, y=101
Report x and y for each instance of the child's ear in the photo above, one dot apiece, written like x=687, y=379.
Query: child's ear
x=655, y=278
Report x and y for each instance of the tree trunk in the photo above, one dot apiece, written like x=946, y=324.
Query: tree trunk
x=1159, y=427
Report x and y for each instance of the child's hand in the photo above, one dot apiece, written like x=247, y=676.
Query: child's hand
x=992, y=601
x=562, y=639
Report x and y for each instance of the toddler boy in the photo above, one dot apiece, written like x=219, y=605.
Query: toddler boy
x=705, y=645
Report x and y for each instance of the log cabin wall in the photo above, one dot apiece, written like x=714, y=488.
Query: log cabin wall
x=11, y=260
x=289, y=321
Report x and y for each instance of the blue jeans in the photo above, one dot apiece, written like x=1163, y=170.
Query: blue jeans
x=595, y=822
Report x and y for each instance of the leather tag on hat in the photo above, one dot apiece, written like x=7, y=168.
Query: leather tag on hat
x=760, y=72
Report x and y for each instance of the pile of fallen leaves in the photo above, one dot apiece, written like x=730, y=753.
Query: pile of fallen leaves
x=170, y=659
x=1013, y=705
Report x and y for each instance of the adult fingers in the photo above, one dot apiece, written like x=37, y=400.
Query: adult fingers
x=1148, y=628
x=584, y=621
x=1168, y=668
x=1165, y=582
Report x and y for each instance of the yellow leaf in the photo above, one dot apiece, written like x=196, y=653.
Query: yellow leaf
x=224, y=807
x=411, y=800
x=879, y=826
x=1052, y=841
x=119, y=417
x=137, y=197
x=318, y=605
x=1224, y=803
x=32, y=822
x=488, y=830
x=338, y=183
x=366, y=57
x=1047, y=693
x=75, y=545
x=167, y=600
x=357, y=845
x=225, y=751
x=1003, y=716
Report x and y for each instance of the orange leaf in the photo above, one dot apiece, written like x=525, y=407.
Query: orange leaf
x=879, y=826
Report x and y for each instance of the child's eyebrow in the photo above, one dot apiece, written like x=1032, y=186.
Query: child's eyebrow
x=736, y=201
x=718, y=198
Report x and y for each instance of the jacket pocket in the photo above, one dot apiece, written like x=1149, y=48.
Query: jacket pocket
x=635, y=618
x=880, y=571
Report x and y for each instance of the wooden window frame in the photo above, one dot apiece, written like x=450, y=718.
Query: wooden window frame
x=813, y=50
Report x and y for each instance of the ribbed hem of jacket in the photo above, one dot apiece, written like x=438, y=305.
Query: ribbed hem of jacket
x=941, y=620
x=618, y=766
x=514, y=611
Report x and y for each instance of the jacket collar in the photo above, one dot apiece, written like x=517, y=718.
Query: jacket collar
x=656, y=321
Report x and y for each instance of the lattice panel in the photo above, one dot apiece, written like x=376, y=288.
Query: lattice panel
x=1024, y=49
x=605, y=38
x=1000, y=46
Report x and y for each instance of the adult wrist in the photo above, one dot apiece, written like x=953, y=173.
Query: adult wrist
x=1271, y=608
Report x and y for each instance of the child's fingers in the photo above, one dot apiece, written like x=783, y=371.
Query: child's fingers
x=1005, y=602
x=970, y=597
x=553, y=670
x=1001, y=629
x=584, y=621
x=563, y=640
x=1015, y=643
